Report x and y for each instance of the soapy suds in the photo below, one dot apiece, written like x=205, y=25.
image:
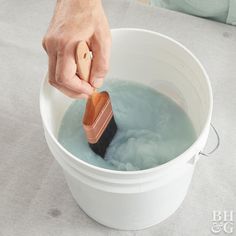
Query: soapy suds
x=152, y=129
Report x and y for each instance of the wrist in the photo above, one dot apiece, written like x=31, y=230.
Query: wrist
x=81, y=3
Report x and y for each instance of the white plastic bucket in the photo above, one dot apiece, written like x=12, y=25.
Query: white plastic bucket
x=132, y=200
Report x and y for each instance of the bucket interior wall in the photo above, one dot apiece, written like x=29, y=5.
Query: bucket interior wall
x=165, y=66
x=154, y=61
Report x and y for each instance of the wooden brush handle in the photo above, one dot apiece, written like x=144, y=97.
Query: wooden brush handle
x=97, y=100
x=83, y=61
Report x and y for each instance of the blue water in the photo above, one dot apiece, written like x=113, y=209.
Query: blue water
x=152, y=129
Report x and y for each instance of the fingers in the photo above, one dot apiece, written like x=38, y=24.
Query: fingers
x=72, y=22
x=66, y=72
x=69, y=92
x=62, y=70
x=52, y=60
x=100, y=48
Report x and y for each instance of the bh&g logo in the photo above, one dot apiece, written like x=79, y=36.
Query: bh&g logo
x=222, y=221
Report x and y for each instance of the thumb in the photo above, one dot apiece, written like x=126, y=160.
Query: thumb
x=100, y=65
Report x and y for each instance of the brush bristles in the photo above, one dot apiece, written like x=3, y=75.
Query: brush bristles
x=102, y=144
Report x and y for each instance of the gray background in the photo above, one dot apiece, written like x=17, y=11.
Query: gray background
x=34, y=198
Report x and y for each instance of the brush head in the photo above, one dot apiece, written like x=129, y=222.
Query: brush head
x=104, y=141
x=99, y=123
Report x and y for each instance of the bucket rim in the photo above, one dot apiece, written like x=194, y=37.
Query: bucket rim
x=190, y=150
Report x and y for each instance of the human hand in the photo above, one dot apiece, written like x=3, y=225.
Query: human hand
x=75, y=21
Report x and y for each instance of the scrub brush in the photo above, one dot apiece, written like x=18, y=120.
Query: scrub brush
x=98, y=121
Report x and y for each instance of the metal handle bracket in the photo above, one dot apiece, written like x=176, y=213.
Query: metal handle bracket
x=208, y=154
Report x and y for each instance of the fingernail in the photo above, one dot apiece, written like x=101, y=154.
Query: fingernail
x=97, y=83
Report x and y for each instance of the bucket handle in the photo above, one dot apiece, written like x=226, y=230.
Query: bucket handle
x=208, y=154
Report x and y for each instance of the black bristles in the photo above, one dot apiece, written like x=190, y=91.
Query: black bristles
x=102, y=144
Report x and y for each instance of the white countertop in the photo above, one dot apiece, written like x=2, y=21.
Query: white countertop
x=34, y=198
